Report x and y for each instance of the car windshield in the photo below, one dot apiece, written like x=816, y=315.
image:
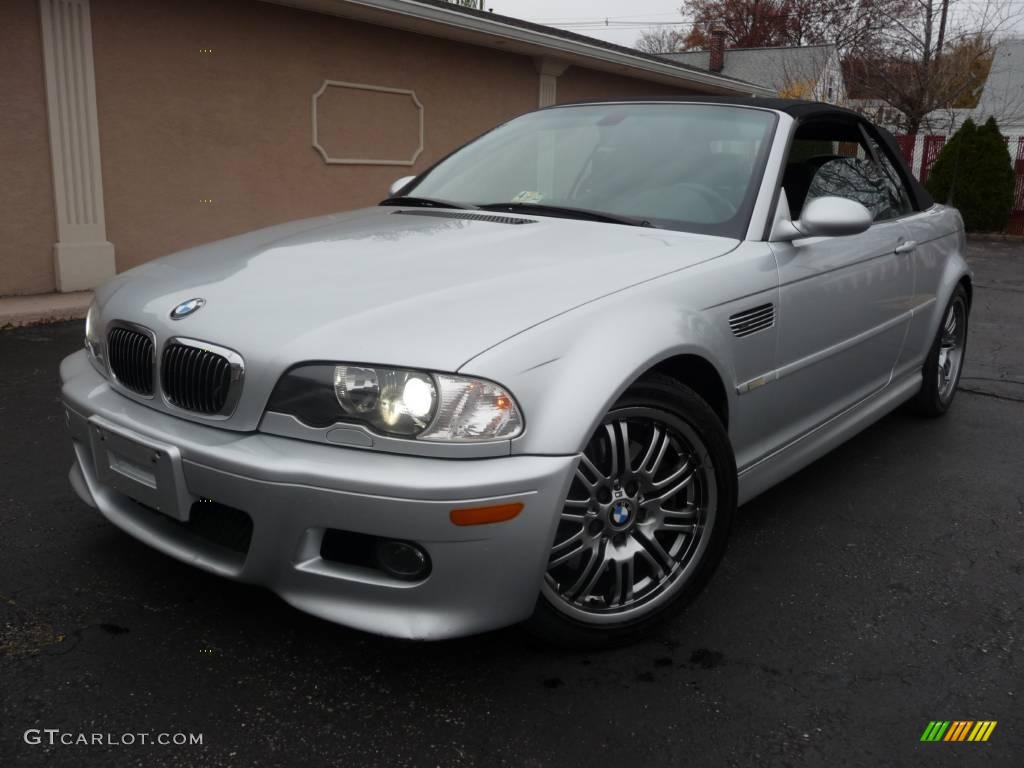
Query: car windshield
x=690, y=167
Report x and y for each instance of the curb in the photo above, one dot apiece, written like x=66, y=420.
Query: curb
x=20, y=311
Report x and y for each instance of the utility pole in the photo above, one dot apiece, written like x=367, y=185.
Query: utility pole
x=942, y=28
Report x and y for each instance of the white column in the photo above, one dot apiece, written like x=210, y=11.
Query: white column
x=82, y=256
x=550, y=70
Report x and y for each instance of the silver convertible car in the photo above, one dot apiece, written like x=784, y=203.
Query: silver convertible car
x=534, y=383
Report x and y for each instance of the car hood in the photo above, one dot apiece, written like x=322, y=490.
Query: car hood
x=421, y=288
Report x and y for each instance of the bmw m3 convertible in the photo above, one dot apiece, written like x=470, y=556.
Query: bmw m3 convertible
x=532, y=384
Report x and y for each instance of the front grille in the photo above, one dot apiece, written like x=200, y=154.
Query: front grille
x=130, y=354
x=195, y=379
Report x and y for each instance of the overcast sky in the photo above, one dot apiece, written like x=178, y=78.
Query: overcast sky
x=587, y=16
x=626, y=19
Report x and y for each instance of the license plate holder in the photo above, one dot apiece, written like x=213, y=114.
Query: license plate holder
x=145, y=470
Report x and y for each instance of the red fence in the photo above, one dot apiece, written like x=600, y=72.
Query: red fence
x=929, y=154
x=921, y=152
x=1016, y=225
x=906, y=144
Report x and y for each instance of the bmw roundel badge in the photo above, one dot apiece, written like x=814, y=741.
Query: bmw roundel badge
x=186, y=308
x=621, y=513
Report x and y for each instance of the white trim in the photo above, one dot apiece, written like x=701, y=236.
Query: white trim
x=550, y=70
x=364, y=161
x=82, y=256
x=548, y=91
x=492, y=33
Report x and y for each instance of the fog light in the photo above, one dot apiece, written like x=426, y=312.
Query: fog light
x=402, y=560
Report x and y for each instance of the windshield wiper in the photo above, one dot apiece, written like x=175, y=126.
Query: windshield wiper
x=424, y=202
x=569, y=213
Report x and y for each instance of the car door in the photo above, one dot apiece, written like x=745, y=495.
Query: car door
x=933, y=233
x=843, y=300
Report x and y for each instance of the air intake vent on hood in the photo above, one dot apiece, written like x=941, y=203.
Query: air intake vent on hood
x=467, y=215
x=752, y=320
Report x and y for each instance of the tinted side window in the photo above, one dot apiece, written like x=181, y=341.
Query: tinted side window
x=830, y=157
x=861, y=180
x=901, y=192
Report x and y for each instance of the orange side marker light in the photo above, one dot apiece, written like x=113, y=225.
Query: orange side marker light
x=483, y=515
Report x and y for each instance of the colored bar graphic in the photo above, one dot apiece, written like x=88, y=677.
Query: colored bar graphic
x=935, y=730
x=958, y=730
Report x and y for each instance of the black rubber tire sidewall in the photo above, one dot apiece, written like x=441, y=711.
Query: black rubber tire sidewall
x=927, y=401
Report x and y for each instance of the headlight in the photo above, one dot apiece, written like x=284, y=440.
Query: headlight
x=390, y=400
x=93, y=335
x=399, y=402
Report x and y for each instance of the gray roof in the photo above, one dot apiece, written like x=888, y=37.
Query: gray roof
x=774, y=68
x=1003, y=94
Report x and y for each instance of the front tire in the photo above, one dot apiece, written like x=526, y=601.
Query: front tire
x=945, y=361
x=645, y=522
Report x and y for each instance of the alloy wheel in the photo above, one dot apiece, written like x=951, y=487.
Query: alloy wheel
x=637, y=519
x=951, y=348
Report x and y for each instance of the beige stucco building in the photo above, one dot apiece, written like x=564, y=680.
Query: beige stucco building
x=134, y=128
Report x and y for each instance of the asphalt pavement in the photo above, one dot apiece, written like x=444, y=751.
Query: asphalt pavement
x=876, y=591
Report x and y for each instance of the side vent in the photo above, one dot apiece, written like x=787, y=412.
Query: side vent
x=469, y=215
x=752, y=320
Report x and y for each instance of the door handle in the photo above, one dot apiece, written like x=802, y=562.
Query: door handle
x=906, y=247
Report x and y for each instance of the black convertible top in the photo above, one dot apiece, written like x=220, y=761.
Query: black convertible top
x=801, y=110
x=797, y=108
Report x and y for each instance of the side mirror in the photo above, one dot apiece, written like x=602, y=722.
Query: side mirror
x=826, y=217
x=399, y=185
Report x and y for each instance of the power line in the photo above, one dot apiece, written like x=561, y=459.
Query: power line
x=629, y=21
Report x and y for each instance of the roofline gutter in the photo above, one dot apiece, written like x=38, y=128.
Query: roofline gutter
x=465, y=26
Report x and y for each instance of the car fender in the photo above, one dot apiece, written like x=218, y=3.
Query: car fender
x=954, y=270
x=567, y=372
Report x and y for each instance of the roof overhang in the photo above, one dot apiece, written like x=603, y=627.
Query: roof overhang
x=475, y=29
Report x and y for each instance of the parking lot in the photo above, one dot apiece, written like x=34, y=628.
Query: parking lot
x=879, y=589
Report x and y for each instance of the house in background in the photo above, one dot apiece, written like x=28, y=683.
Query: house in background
x=803, y=72
x=938, y=121
x=1003, y=94
x=130, y=130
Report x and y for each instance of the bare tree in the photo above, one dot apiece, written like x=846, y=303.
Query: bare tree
x=746, y=23
x=847, y=24
x=764, y=23
x=927, y=58
x=662, y=39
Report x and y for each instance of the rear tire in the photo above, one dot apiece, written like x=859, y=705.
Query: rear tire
x=645, y=523
x=945, y=361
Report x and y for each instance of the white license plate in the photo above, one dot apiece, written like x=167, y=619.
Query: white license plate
x=142, y=469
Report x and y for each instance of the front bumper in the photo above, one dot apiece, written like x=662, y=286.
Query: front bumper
x=482, y=577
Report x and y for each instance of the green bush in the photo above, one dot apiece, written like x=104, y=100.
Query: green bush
x=975, y=167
